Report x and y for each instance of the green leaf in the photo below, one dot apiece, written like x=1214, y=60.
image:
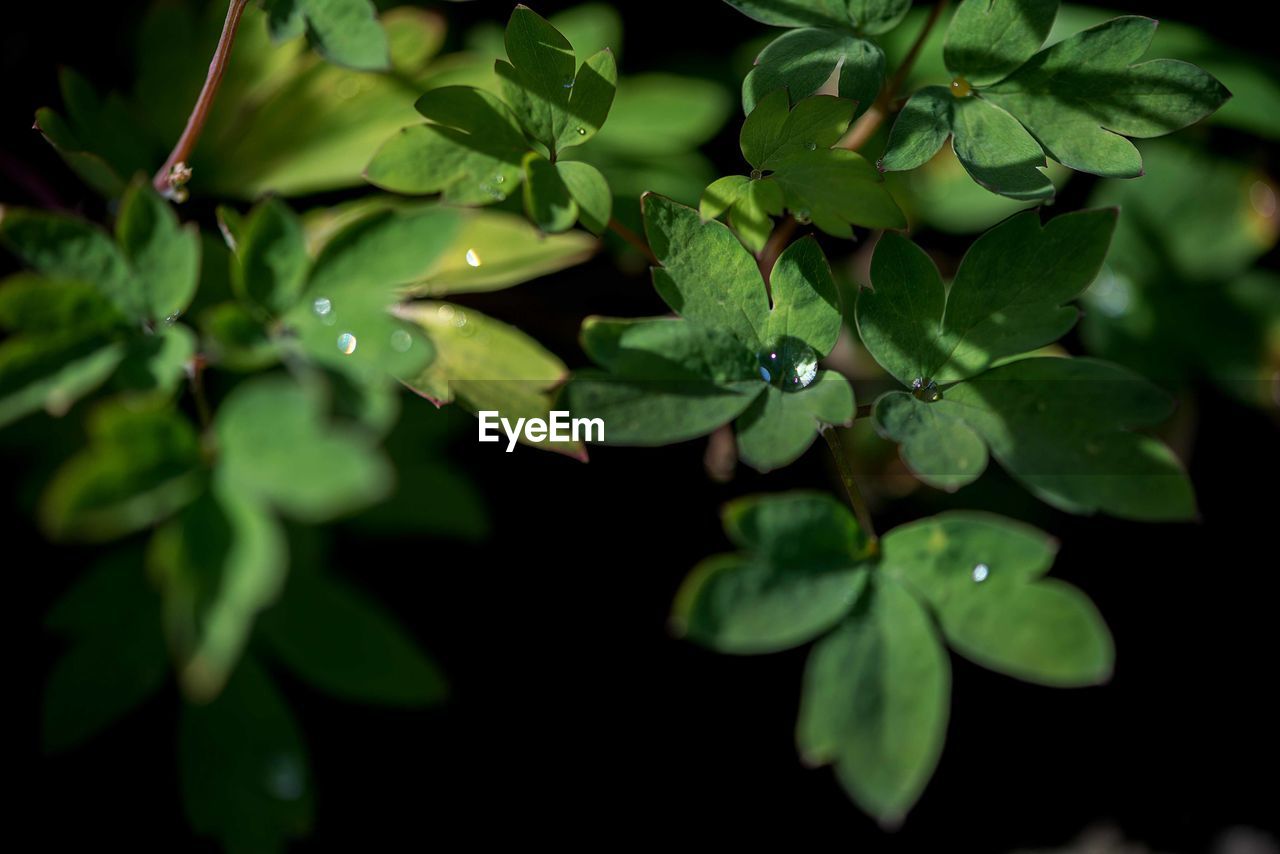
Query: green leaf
x=997, y=151
x=944, y=452
x=987, y=40
x=1061, y=427
x=833, y=188
x=276, y=447
x=557, y=104
x=219, y=563
x=272, y=256
x=164, y=255
x=921, y=128
x=343, y=31
x=801, y=63
x=706, y=275
x=117, y=657
x=471, y=152
x=800, y=571
x=981, y=575
x=1083, y=95
x=486, y=365
x=158, y=362
x=780, y=426
x=1008, y=296
x=591, y=192
x=235, y=340
x=660, y=115
x=142, y=463
x=65, y=344
x=494, y=250
x=66, y=247
x=243, y=764
x=547, y=201
x=751, y=203
x=335, y=638
x=875, y=701
x=868, y=16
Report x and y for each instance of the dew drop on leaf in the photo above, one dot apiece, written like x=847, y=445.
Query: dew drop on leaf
x=473, y=259
x=346, y=343
x=925, y=389
x=582, y=131
x=812, y=146
x=980, y=573
x=322, y=306
x=961, y=88
x=789, y=364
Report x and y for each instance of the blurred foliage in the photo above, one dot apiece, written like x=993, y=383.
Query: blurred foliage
x=229, y=395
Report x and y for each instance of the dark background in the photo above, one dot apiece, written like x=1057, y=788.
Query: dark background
x=576, y=717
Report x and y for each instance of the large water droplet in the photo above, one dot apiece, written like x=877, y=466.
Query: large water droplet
x=473, y=258
x=789, y=364
x=346, y=343
x=980, y=572
x=925, y=389
x=961, y=88
x=401, y=341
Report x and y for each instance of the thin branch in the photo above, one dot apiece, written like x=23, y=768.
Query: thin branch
x=174, y=173
x=869, y=122
x=856, y=501
x=636, y=241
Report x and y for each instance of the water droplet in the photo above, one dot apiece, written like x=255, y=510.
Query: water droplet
x=582, y=131
x=790, y=364
x=401, y=341
x=499, y=179
x=346, y=343
x=322, y=306
x=980, y=572
x=460, y=319
x=961, y=88
x=445, y=312
x=880, y=165
x=756, y=174
x=473, y=259
x=925, y=389
x=812, y=146
x=803, y=216
x=172, y=319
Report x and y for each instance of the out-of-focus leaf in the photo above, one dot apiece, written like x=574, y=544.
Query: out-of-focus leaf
x=876, y=701
x=164, y=256
x=219, y=563
x=868, y=16
x=244, y=769
x=276, y=447
x=142, y=463
x=235, y=340
x=660, y=114
x=157, y=362
x=337, y=639
x=117, y=657
x=344, y=31
x=487, y=365
x=272, y=257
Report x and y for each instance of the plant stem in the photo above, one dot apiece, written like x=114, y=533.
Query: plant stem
x=636, y=241
x=869, y=122
x=168, y=180
x=777, y=241
x=195, y=373
x=856, y=500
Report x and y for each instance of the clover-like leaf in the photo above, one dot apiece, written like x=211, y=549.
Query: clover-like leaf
x=343, y=31
x=558, y=103
x=1075, y=101
x=791, y=149
x=163, y=255
x=243, y=765
x=142, y=463
x=340, y=641
x=275, y=447
x=731, y=354
x=804, y=564
x=1059, y=426
x=981, y=575
x=116, y=658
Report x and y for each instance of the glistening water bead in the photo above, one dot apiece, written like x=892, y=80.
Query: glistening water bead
x=790, y=364
x=346, y=343
x=960, y=88
x=980, y=573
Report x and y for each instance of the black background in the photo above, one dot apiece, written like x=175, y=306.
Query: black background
x=576, y=717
